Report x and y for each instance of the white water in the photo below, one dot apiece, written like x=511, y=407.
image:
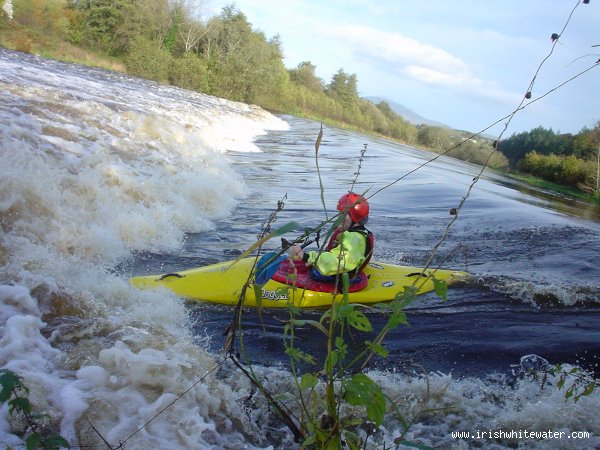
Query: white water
x=95, y=166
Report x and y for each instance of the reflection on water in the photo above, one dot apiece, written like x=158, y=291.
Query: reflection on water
x=545, y=198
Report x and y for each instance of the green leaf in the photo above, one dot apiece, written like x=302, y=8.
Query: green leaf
x=406, y=297
x=441, y=288
x=298, y=355
x=378, y=349
x=353, y=441
x=342, y=310
x=20, y=404
x=588, y=389
x=308, y=381
x=397, y=318
x=294, y=310
x=55, y=443
x=360, y=390
x=33, y=441
x=341, y=346
x=358, y=320
x=569, y=392
x=310, y=440
x=5, y=394
x=9, y=381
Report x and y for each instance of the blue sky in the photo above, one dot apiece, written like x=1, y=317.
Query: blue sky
x=465, y=63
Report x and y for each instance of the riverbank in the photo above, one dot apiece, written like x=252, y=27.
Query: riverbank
x=18, y=38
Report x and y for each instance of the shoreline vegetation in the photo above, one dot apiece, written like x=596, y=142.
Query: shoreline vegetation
x=164, y=41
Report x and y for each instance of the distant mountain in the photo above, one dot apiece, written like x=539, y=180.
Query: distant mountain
x=407, y=114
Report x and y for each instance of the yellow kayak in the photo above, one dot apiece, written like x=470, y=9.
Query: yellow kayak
x=222, y=283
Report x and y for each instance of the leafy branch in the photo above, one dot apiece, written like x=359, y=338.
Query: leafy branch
x=578, y=383
x=14, y=392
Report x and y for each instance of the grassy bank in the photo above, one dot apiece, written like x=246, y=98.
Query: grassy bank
x=16, y=37
x=558, y=188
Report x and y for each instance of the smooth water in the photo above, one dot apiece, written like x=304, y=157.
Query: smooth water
x=105, y=176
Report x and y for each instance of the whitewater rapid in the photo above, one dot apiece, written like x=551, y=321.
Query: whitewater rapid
x=96, y=167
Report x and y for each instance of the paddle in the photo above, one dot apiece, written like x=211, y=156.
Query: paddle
x=269, y=263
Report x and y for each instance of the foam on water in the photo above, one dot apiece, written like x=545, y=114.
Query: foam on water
x=95, y=166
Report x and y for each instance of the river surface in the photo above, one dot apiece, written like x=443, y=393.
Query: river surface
x=104, y=176
x=535, y=285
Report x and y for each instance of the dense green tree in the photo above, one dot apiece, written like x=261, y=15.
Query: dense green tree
x=344, y=88
x=147, y=60
x=374, y=119
x=586, y=142
x=243, y=65
x=111, y=25
x=189, y=72
x=304, y=75
x=433, y=137
x=100, y=22
x=386, y=109
x=541, y=140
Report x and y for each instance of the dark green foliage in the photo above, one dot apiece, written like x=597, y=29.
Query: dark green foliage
x=146, y=60
x=343, y=87
x=565, y=159
x=242, y=64
x=189, y=72
x=539, y=140
x=305, y=76
x=100, y=24
x=568, y=170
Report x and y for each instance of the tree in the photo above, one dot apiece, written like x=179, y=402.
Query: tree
x=111, y=25
x=343, y=87
x=189, y=72
x=243, y=65
x=433, y=137
x=186, y=26
x=374, y=118
x=100, y=20
x=147, y=60
x=305, y=75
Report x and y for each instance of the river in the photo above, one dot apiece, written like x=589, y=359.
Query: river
x=106, y=176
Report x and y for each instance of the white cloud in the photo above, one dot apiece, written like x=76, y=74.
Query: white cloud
x=400, y=55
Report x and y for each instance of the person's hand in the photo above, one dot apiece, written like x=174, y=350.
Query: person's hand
x=295, y=252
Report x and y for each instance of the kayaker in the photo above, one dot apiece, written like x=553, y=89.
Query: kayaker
x=350, y=247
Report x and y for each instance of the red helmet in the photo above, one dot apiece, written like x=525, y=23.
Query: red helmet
x=356, y=205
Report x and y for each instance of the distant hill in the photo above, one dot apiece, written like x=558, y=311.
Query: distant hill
x=407, y=114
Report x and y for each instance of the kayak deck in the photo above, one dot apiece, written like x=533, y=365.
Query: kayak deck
x=223, y=282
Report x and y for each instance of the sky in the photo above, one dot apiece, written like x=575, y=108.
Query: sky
x=465, y=63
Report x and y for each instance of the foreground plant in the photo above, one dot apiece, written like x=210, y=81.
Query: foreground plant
x=36, y=435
